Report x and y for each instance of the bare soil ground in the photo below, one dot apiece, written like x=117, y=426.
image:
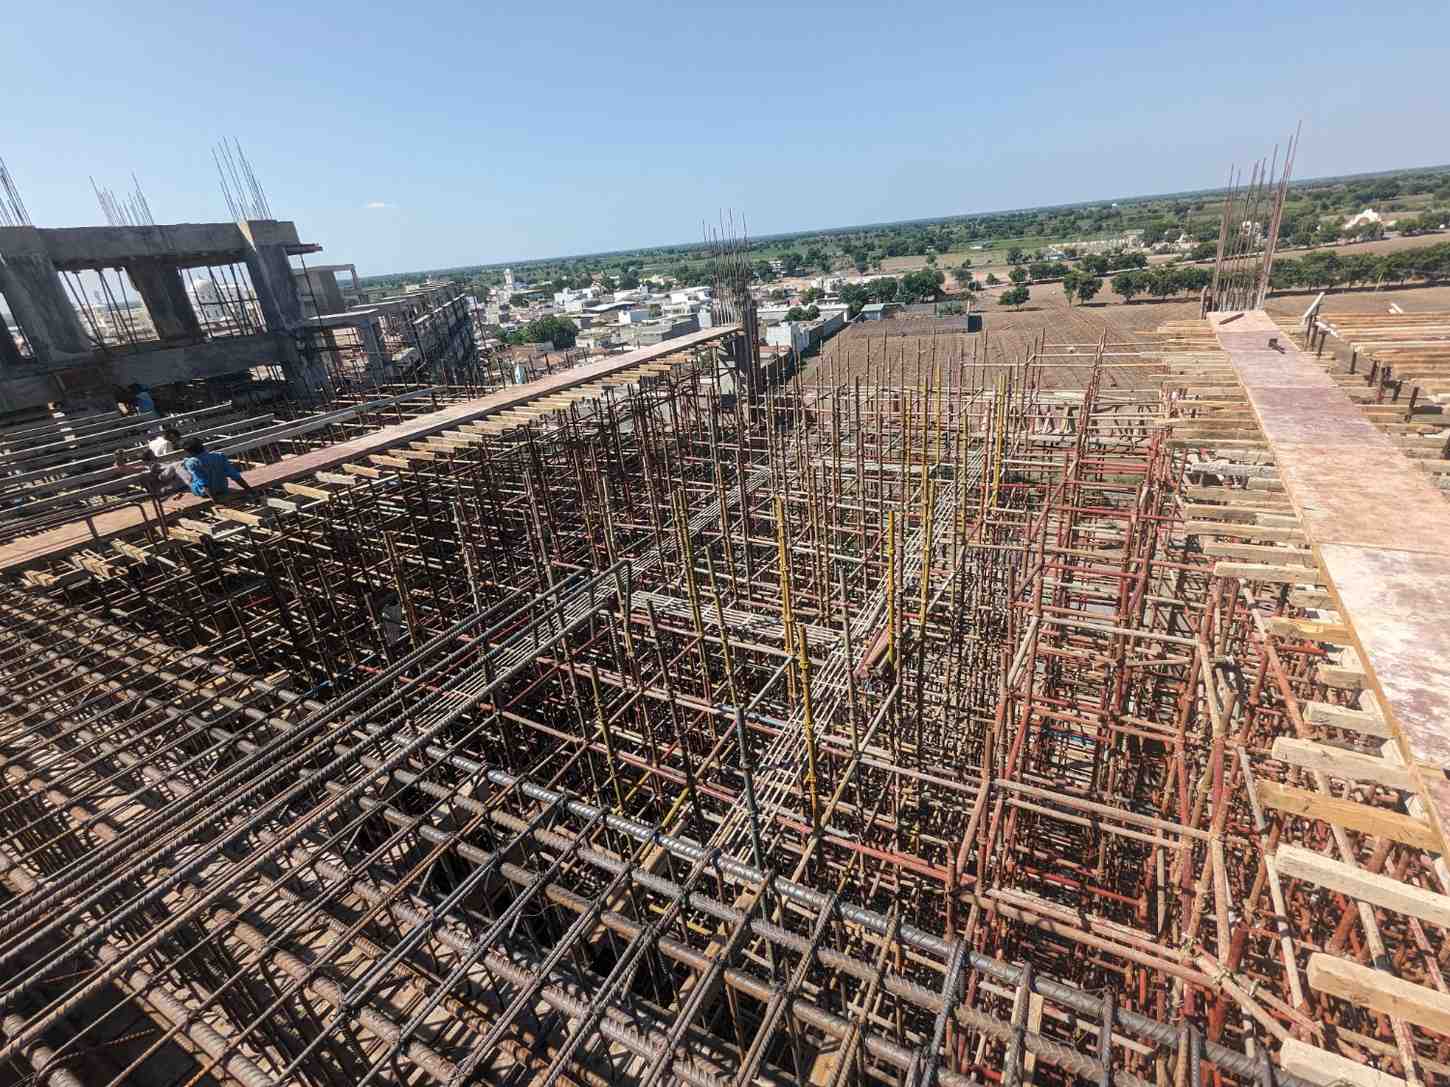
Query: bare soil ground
x=1364, y=300
x=867, y=350
x=1388, y=245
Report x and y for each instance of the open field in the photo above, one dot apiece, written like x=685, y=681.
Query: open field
x=1409, y=299
x=1009, y=336
x=995, y=259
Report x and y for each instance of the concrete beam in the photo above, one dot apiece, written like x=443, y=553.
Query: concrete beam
x=19, y=393
x=96, y=377
x=111, y=246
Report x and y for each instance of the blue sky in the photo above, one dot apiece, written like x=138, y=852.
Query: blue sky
x=408, y=136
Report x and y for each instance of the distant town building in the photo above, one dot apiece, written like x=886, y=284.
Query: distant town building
x=802, y=336
x=1368, y=215
x=880, y=311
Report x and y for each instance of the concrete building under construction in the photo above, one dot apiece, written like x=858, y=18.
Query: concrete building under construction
x=1077, y=718
x=97, y=308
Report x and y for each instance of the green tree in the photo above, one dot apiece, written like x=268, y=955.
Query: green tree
x=792, y=262
x=992, y=279
x=855, y=295
x=558, y=331
x=628, y=280
x=1080, y=286
x=1162, y=281
x=1128, y=284
x=923, y=285
x=1159, y=230
x=1018, y=275
x=1014, y=255
x=1069, y=286
x=1015, y=297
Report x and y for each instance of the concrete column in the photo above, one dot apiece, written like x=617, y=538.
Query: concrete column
x=324, y=285
x=270, y=270
x=161, y=288
x=33, y=290
x=377, y=361
x=271, y=273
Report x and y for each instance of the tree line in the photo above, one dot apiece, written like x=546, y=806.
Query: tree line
x=923, y=285
x=1325, y=268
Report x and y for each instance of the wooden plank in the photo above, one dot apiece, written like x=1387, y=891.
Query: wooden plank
x=241, y=517
x=1346, y=674
x=387, y=461
x=1380, y=991
x=191, y=524
x=305, y=491
x=1325, y=1069
x=1349, y=814
x=1355, y=766
x=131, y=551
x=1377, y=890
x=1284, y=556
x=1243, y=532
x=282, y=504
x=1260, y=571
x=1331, y=716
x=338, y=477
x=1243, y=514
x=362, y=470
x=1315, y=630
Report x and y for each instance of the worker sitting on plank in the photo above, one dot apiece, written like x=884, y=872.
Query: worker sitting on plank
x=164, y=480
x=209, y=471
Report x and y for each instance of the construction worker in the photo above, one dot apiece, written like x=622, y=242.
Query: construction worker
x=209, y=471
x=168, y=441
x=164, y=480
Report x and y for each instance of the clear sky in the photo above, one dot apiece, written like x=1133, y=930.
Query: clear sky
x=404, y=136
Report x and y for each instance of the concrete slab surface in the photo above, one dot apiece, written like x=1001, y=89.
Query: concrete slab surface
x=1379, y=528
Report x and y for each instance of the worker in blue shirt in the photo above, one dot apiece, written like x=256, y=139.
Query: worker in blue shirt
x=209, y=471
